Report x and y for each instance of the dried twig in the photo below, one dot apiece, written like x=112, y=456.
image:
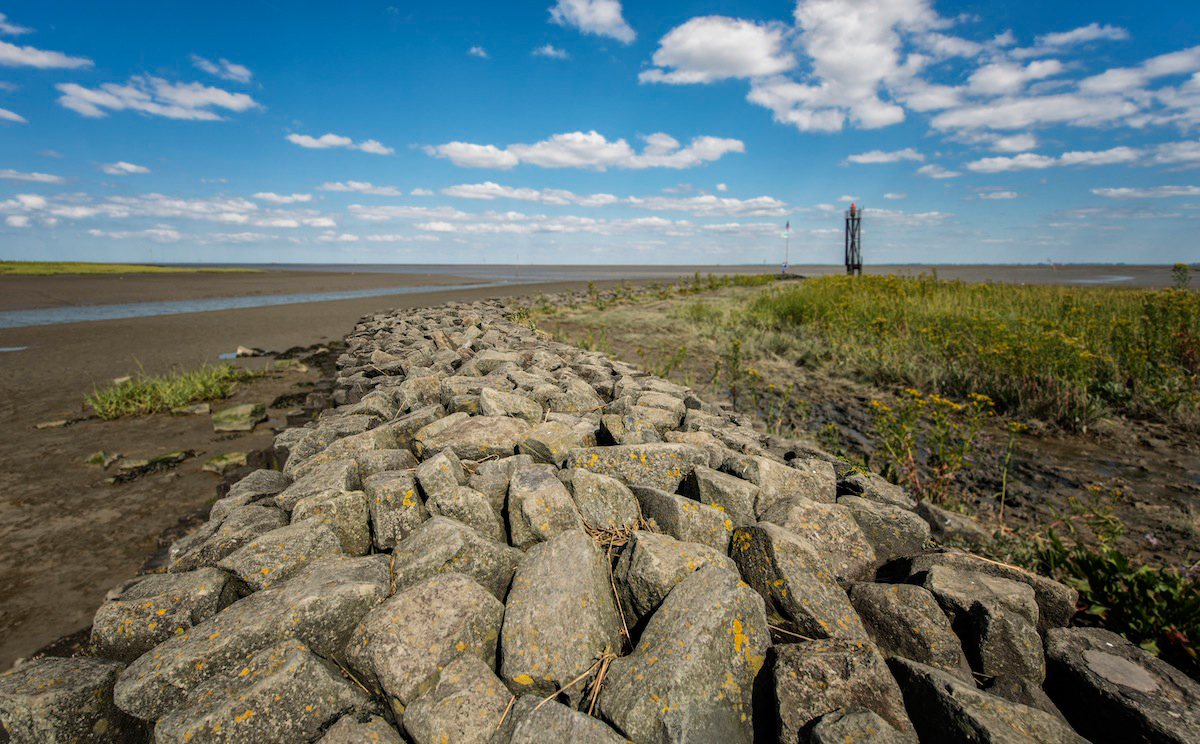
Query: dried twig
x=570, y=684
x=594, y=693
x=778, y=629
x=354, y=679
x=617, y=597
x=511, y=701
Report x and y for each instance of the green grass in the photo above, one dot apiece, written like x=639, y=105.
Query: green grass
x=1058, y=354
x=54, y=268
x=155, y=393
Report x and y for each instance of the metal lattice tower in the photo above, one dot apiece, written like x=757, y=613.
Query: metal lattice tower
x=854, y=241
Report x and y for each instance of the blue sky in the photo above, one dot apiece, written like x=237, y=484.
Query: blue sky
x=598, y=131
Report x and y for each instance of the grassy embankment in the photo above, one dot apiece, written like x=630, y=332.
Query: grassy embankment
x=1060, y=356
x=156, y=393
x=54, y=268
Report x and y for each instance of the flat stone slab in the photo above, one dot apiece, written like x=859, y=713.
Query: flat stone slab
x=319, y=607
x=58, y=701
x=239, y=418
x=477, y=437
x=282, y=693
x=152, y=609
x=1110, y=689
x=400, y=646
x=658, y=465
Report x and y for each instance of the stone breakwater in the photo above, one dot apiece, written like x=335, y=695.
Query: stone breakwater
x=497, y=538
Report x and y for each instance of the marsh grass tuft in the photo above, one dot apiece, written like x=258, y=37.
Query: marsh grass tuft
x=154, y=393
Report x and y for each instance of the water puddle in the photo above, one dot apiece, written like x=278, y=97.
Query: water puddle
x=77, y=314
x=228, y=355
x=1107, y=279
x=12, y=348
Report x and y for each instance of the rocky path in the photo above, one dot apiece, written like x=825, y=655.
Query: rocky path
x=497, y=538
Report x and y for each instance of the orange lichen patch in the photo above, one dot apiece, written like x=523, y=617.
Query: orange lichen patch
x=244, y=716
x=523, y=679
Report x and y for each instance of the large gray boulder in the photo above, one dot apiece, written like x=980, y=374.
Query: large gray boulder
x=276, y=556
x=256, y=486
x=465, y=705
x=732, y=495
x=219, y=537
x=809, y=479
x=491, y=478
x=333, y=476
x=892, y=531
x=604, y=503
x=477, y=437
x=539, y=506
x=905, y=620
x=817, y=677
x=346, y=513
x=494, y=402
x=684, y=519
x=795, y=581
x=440, y=473
x=282, y=693
x=471, y=508
x=147, y=611
x=361, y=728
x=62, y=701
x=692, y=674
x=443, y=545
x=1111, y=690
x=944, y=708
x=652, y=564
x=319, y=607
x=550, y=442
x=660, y=465
x=1056, y=602
x=396, y=507
x=399, y=646
x=855, y=726
x=535, y=720
x=560, y=616
x=830, y=529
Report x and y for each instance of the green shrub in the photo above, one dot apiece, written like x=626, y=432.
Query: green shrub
x=151, y=394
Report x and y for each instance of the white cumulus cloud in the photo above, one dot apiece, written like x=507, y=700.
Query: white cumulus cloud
x=936, y=171
x=7, y=115
x=121, y=168
x=1033, y=161
x=154, y=96
x=589, y=150
x=998, y=195
x=599, y=17
x=478, y=51
x=12, y=29
x=326, y=141
x=711, y=48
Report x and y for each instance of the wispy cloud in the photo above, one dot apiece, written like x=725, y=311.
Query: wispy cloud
x=270, y=196
x=326, y=141
x=12, y=55
x=589, y=150
x=1033, y=161
x=121, y=168
x=879, y=156
x=223, y=69
x=551, y=52
x=11, y=175
x=12, y=29
x=478, y=51
x=7, y=115
x=155, y=96
x=1155, y=192
x=361, y=187
x=599, y=17
x=936, y=171
x=998, y=195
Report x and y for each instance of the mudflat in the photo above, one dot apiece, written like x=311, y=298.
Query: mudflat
x=68, y=536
